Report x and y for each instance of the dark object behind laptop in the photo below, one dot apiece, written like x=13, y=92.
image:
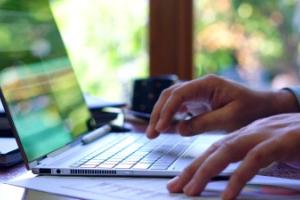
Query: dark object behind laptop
x=146, y=92
x=9, y=153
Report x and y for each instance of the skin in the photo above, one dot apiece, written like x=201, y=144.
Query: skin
x=261, y=134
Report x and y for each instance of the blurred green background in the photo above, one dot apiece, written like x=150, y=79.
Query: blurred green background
x=107, y=42
x=252, y=41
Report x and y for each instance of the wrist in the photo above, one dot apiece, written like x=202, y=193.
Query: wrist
x=284, y=101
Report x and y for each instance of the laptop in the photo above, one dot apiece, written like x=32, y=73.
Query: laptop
x=50, y=119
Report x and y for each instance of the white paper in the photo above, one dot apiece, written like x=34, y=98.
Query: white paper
x=7, y=145
x=116, y=188
x=275, y=181
x=105, y=187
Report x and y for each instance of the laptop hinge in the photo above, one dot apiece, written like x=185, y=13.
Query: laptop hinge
x=34, y=163
x=58, y=151
x=52, y=154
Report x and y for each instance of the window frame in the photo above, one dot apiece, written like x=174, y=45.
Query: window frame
x=171, y=38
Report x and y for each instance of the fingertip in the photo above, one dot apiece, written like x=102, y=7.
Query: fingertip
x=227, y=195
x=173, y=185
x=161, y=127
x=189, y=189
x=233, y=188
x=151, y=133
x=152, y=136
x=184, y=128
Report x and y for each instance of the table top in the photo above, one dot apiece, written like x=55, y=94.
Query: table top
x=12, y=172
x=12, y=192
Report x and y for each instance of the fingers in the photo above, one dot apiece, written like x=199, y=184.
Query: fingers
x=176, y=184
x=176, y=98
x=210, y=168
x=233, y=148
x=198, y=90
x=172, y=99
x=155, y=115
x=260, y=156
x=215, y=120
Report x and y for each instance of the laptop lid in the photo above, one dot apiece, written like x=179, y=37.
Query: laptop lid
x=39, y=89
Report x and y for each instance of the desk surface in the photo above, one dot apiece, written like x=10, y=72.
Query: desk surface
x=12, y=192
x=12, y=172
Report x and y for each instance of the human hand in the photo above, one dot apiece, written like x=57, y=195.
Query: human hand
x=275, y=138
x=216, y=104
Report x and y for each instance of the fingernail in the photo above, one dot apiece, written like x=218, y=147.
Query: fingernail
x=172, y=184
x=173, y=180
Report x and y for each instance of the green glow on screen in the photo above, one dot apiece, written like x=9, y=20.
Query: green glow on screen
x=37, y=80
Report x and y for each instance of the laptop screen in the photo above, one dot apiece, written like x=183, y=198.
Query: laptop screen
x=38, y=83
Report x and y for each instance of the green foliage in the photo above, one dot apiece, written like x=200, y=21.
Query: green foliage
x=269, y=23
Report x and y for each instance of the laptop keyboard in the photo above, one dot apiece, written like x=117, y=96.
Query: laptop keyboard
x=136, y=152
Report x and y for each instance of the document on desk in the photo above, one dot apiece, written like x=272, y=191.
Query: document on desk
x=117, y=188
x=106, y=188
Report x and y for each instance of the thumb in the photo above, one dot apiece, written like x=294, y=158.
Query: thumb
x=220, y=119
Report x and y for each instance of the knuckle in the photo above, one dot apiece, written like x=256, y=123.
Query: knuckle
x=176, y=92
x=212, y=78
x=215, y=145
x=260, y=122
x=229, y=147
x=170, y=90
x=256, y=156
x=166, y=92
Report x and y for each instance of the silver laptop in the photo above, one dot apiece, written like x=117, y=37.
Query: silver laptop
x=51, y=120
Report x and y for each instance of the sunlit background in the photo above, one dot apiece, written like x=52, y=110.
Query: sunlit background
x=107, y=43
x=252, y=41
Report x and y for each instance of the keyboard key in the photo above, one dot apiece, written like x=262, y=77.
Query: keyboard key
x=88, y=166
x=136, y=152
x=106, y=166
x=145, y=161
x=141, y=166
x=111, y=162
x=132, y=159
x=124, y=166
x=114, y=159
x=159, y=167
x=75, y=165
x=128, y=162
x=153, y=156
